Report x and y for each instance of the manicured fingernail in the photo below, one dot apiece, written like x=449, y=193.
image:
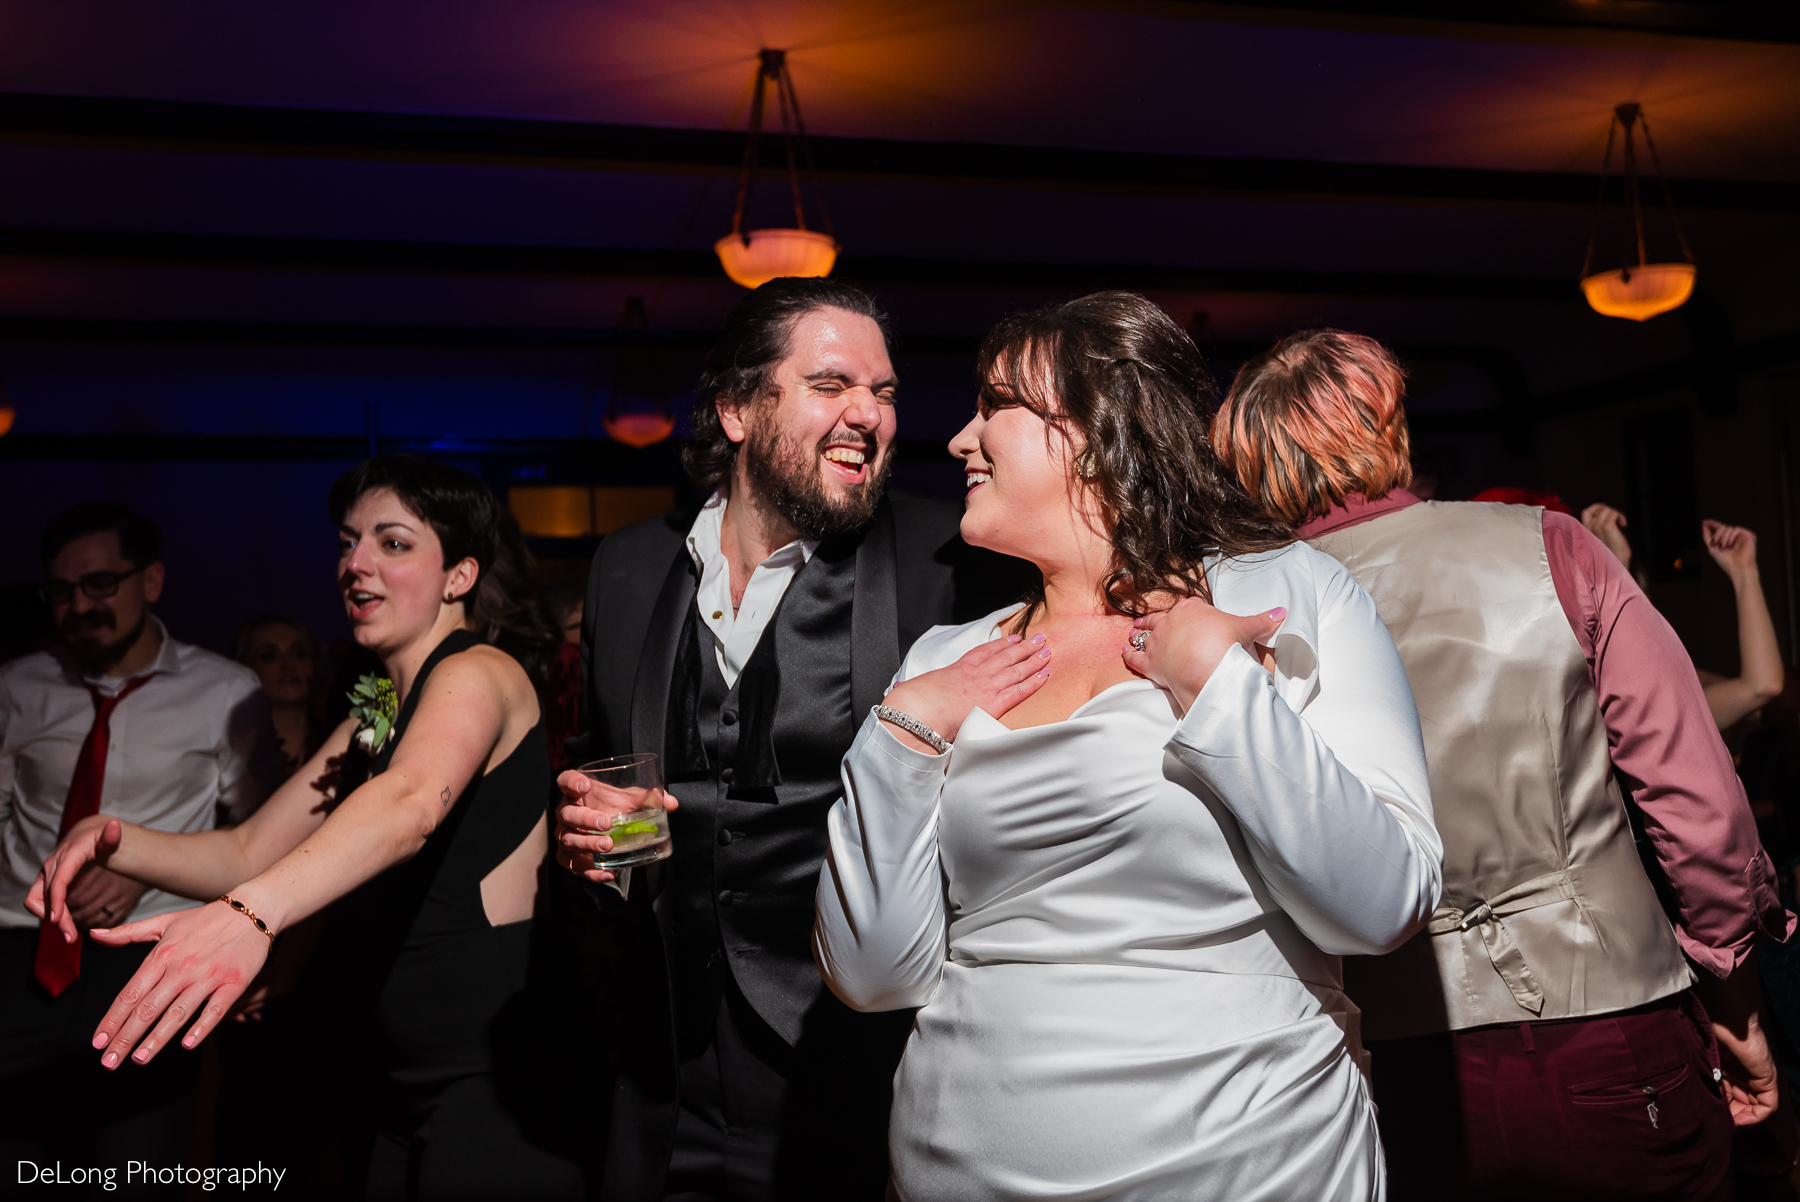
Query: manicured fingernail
x=142, y=1055
x=189, y=1041
x=110, y=1059
x=99, y=1042
x=1045, y=672
x=1044, y=653
x=1012, y=638
x=1278, y=613
x=1039, y=638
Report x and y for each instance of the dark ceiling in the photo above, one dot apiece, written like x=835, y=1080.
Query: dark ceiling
x=505, y=174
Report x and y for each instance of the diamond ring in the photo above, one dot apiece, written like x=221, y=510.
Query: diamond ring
x=1137, y=639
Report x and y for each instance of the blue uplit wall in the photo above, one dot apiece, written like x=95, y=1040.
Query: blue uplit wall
x=254, y=537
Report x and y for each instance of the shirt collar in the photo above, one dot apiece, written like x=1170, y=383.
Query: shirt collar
x=703, y=538
x=166, y=663
x=1355, y=509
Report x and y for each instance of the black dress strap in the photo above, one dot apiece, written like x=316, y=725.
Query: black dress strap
x=455, y=641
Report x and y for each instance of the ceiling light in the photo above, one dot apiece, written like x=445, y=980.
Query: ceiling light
x=1641, y=292
x=754, y=257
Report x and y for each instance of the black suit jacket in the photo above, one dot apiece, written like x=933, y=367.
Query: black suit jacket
x=911, y=571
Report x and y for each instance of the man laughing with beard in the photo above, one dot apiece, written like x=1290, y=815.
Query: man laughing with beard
x=744, y=644
x=158, y=732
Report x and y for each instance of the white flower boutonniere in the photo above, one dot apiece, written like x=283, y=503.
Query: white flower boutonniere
x=374, y=705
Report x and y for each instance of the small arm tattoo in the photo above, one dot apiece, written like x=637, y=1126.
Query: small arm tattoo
x=445, y=796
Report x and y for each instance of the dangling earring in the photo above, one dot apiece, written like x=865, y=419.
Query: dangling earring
x=1085, y=465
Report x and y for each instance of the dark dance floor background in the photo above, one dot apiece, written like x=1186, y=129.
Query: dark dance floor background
x=242, y=244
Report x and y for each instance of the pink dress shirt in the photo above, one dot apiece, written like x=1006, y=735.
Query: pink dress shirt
x=1662, y=739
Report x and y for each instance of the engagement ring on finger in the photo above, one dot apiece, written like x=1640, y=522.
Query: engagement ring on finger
x=1137, y=639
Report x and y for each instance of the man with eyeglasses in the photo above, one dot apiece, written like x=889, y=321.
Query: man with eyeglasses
x=117, y=716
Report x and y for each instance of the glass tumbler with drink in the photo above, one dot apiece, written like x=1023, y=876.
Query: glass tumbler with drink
x=630, y=788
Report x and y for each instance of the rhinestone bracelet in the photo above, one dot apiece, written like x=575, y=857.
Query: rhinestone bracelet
x=912, y=725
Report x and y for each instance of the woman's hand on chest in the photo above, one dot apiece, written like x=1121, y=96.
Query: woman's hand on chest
x=1180, y=648
x=993, y=677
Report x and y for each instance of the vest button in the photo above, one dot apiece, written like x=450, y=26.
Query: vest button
x=729, y=717
x=725, y=775
x=725, y=838
x=724, y=897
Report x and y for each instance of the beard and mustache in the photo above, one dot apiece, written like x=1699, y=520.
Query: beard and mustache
x=787, y=478
x=96, y=657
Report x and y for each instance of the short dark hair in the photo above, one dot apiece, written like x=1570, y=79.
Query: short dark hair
x=741, y=365
x=504, y=607
x=140, y=542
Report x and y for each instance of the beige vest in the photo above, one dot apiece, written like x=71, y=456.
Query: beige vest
x=1547, y=912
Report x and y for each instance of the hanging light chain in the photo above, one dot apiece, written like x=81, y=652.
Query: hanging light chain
x=772, y=67
x=752, y=147
x=1668, y=198
x=783, y=92
x=1587, y=263
x=812, y=167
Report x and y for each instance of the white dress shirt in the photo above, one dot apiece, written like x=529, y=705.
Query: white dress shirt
x=736, y=632
x=196, y=738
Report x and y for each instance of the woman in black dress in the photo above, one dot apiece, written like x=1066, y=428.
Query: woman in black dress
x=428, y=809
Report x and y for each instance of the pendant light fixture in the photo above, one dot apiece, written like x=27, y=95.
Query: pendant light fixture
x=754, y=257
x=1643, y=291
x=637, y=404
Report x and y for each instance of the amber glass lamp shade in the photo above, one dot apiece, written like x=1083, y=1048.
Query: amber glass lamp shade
x=640, y=429
x=6, y=418
x=771, y=254
x=1641, y=292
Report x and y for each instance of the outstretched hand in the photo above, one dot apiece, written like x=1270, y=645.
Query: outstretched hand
x=90, y=841
x=1184, y=644
x=993, y=677
x=203, y=961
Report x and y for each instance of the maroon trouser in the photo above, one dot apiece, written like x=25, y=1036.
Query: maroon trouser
x=1625, y=1105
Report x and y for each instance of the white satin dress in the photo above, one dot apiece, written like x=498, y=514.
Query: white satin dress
x=1123, y=929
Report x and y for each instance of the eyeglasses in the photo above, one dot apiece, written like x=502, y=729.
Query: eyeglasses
x=98, y=586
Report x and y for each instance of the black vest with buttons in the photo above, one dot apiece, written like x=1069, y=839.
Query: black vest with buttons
x=755, y=767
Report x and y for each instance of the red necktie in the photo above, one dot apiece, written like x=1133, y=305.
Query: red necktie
x=58, y=963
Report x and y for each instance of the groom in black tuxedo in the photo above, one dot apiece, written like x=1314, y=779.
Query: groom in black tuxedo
x=744, y=644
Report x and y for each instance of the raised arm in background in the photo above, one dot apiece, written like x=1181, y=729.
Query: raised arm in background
x=1760, y=673
x=1608, y=525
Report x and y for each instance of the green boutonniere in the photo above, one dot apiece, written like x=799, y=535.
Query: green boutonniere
x=374, y=705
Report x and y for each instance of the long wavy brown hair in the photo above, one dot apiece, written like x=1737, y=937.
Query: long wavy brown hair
x=1127, y=386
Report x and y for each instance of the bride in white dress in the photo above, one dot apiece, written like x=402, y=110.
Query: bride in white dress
x=1119, y=896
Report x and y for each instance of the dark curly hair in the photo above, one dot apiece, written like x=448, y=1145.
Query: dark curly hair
x=505, y=606
x=741, y=365
x=1123, y=382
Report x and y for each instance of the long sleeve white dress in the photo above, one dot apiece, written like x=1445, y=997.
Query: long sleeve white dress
x=1123, y=929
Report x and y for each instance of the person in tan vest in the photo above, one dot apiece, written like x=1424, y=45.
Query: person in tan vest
x=1547, y=1030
